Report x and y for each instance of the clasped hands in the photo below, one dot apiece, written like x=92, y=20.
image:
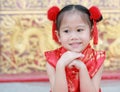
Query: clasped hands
x=71, y=59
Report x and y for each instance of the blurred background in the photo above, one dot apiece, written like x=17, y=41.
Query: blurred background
x=25, y=34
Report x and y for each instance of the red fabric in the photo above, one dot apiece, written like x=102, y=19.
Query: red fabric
x=52, y=15
x=95, y=13
x=95, y=34
x=96, y=16
x=93, y=60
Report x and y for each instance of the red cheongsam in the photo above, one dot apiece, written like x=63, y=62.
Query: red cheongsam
x=93, y=60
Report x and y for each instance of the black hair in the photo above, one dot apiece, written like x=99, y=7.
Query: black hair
x=71, y=7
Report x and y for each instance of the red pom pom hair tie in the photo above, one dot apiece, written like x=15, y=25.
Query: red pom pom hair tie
x=52, y=15
x=96, y=16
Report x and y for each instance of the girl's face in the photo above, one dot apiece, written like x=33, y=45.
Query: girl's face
x=74, y=33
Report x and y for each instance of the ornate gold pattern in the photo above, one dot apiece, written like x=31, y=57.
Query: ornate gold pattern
x=25, y=33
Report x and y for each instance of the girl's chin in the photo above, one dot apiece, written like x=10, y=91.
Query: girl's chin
x=75, y=50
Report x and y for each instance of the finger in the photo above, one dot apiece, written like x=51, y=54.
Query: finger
x=71, y=65
x=77, y=55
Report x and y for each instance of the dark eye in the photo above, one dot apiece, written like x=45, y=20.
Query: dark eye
x=66, y=31
x=79, y=30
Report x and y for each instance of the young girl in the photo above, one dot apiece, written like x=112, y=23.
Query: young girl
x=75, y=66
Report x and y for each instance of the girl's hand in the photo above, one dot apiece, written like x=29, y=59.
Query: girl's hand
x=68, y=57
x=77, y=63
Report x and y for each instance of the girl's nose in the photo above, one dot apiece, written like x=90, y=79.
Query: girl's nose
x=74, y=35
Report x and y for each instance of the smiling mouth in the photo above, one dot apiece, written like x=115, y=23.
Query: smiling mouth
x=75, y=44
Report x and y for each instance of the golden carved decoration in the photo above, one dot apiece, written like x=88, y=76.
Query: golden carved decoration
x=24, y=41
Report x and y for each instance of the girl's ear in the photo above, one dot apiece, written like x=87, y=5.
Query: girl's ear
x=91, y=33
x=58, y=35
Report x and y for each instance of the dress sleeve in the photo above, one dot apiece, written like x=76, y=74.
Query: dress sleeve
x=100, y=60
x=51, y=58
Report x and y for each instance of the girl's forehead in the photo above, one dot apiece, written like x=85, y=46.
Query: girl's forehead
x=76, y=15
x=73, y=15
